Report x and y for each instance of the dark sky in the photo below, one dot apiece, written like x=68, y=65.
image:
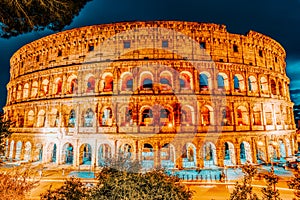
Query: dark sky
x=276, y=18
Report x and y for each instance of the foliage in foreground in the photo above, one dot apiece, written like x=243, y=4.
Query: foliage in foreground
x=4, y=132
x=243, y=191
x=16, y=182
x=294, y=183
x=122, y=179
x=22, y=16
x=270, y=192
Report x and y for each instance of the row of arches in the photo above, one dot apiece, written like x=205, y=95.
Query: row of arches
x=207, y=155
x=166, y=81
x=166, y=115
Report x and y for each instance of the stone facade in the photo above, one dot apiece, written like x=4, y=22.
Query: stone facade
x=172, y=94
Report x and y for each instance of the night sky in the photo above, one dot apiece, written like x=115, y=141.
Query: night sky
x=276, y=18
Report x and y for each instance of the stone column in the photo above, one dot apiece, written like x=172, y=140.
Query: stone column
x=157, y=161
x=254, y=150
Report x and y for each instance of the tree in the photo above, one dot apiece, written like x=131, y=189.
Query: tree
x=22, y=16
x=4, y=132
x=270, y=192
x=16, y=182
x=294, y=183
x=244, y=191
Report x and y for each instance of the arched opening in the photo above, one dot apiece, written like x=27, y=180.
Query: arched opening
x=18, y=150
x=245, y=153
x=185, y=81
x=226, y=117
x=273, y=87
x=51, y=153
x=26, y=90
x=106, y=117
x=72, y=118
x=269, y=115
x=264, y=85
x=165, y=80
x=108, y=83
x=187, y=116
x=167, y=155
x=125, y=151
x=90, y=86
x=147, y=84
x=57, y=88
x=238, y=82
x=34, y=89
x=30, y=118
x=85, y=154
x=127, y=82
x=67, y=154
x=257, y=115
x=229, y=154
x=19, y=91
x=272, y=153
x=41, y=118
x=282, y=149
x=73, y=85
x=204, y=81
x=104, y=154
x=125, y=117
x=38, y=154
x=88, y=118
x=206, y=115
x=45, y=87
x=221, y=82
x=280, y=89
x=189, y=156
x=242, y=116
x=165, y=117
x=209, y=155
x=252, y=84
x=54, y=118
x=147, y=156
x=147, y=117
x=27, y=153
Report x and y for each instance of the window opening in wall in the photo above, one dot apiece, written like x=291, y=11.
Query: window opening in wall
x=90, y=85
x=236, y=83
x=164, y=117
x=221, y=84
x=276, y=59
x=203, y=82
x=147, y=117
x=107, y=117
x=182, y=83
x=91, y=47
x=129, y=85
x=202, y=45
x=147, y=83
x=260, y=53
x=88, y=118
x=250, y=84
x=72, y=119
x=235, y=48
x=165, y=43
x=126, y=44
x=59, y=53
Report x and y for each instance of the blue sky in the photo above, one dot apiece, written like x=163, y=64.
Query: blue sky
x=275, y=18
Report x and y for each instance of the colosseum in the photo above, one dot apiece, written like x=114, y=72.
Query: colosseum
x=166, y=93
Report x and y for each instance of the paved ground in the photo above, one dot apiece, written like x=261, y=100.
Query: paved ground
x=204, y=190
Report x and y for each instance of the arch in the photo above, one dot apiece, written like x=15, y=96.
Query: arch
x=125, y=151
x=51, y=152
x=27, y=154
x=126, y=81
x=125, y=118
x=186, y=80
x=229, y=154
x=41, y=118
x=165, y=117
x=54, y=118
x=239, y=83
x=146, y=80
x=268, y=115
x=18, y=150
x=26, y=91
x=67, y=154
x=226, y=116
x=167, y=155
x=166, y=80
x=147, y=117
x=222, y=80
x=104, y=153
x=72, y=84
x=272, y=153
x=252, y=83
x=209, y=155
x=72, y=118
x=90, y=83
x=106, y=117
x=205, y=81
x=273, y=87
x=257, y=117
x=19, y=91
x=187, y=115
x=11, y=149
x=34, y=89
x=264, y=85
x=57, y=86
x=88, y=118
x=280, y=89
x=245, y=152
x=45, y=87
x=207, y=115
x=189, y=156
x=38, y=154
x=282, y=149
x=147, y=156
x=242, y=116
x=30, y=118
x=85, y=154
x=106, y=82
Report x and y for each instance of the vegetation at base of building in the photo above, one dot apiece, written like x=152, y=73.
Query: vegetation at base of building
x=294, y=183
x=4, y=132
x=243, y=191
x=22, y=16
x=16, y=182
x=270, y=192
x=121, y=180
